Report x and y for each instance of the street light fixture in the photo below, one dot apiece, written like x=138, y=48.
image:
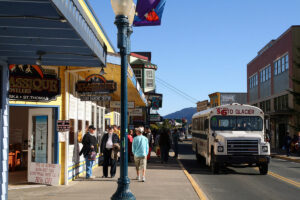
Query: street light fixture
x=124, y=11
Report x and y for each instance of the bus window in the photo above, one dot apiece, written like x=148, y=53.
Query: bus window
x=206, y=122
x=236, y=123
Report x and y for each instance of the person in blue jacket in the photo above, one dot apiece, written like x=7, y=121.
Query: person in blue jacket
x=140, y=148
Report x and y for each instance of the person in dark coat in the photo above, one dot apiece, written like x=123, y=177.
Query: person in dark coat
x=107, y=144
x=165, y=145
x=288, y=140
x=89, y=150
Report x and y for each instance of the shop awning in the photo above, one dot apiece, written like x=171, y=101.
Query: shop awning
x=57, y=31
x=113, y=72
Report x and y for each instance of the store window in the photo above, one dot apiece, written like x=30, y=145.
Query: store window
x=149, y=78
x=80, y=132
x=72, y=132
x=138, y=75
x=93, y=115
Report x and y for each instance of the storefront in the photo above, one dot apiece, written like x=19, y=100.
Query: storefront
x=40, y=38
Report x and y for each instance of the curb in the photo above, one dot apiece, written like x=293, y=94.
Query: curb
x=198, y=190
x=286, y=158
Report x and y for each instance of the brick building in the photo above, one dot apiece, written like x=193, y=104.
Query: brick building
x=269, y=82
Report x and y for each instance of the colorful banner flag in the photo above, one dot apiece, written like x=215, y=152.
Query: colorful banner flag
x=149, y=12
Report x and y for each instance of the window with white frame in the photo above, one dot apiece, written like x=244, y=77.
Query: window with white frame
x=265, y=74
x=281, y=64
x=149, y=78
x=138, y=75
x=253, y=80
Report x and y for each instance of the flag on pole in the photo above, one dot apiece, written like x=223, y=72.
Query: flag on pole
x=149, y=12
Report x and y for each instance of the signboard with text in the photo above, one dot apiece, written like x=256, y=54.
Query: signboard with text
x=117, y=104
x=33, y=83
x=155, y=118
x=95, y=84
x=136, y=112
x=44, y=173
x=63, y=125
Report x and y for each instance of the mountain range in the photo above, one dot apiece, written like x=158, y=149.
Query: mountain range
x=186, y=113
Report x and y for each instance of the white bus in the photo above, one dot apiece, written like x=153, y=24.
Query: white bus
x=231, y=134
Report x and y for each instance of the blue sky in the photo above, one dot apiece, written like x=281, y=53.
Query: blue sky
x=203, y=46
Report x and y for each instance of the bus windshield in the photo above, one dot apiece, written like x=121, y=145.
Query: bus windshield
x=236, y=123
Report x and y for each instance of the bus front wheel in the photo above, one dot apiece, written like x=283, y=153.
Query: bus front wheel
x=263, y=168
x=214, y=166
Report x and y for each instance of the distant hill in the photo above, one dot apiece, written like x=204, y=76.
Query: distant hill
x=186, y=113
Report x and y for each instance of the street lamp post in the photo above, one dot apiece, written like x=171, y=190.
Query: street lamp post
x=123, y=10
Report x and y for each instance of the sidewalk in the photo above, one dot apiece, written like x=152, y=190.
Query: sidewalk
x=163, y=181
x=281, y=155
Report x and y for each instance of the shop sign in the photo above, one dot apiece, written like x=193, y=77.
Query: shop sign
x=33, y=83
x=228, y=99
x=94, y=98
x=156, y=100
x=44, y=173
x=95, y=84
x=63, y=125
x=138, y=120
x=136, y=112
x=155, y=118
x=117, y=104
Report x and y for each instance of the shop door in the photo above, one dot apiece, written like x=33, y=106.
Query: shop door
x=40, y=128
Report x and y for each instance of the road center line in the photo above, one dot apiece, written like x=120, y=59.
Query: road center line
x=196, y=187
x=287, y=180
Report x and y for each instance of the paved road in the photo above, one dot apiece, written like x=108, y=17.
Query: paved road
x=244, y=183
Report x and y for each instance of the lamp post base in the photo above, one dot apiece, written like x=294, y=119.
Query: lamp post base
x=123, y=192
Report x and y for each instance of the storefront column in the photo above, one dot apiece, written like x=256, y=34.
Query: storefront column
x=4, y=147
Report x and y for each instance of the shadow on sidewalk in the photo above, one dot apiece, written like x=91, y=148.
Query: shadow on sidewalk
x=194, y=167
x=155, y=163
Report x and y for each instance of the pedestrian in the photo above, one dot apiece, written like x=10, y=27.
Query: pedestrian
x=175, y=138
x=164, y=144
x=109, y=141
x=140, y=148
x=130, y=140
x=117, y=131
x=149, y=136
x=89, y=150
x=287, y=140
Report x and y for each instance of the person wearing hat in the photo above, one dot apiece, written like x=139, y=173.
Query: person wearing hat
x=89, y=150
x=110, y=141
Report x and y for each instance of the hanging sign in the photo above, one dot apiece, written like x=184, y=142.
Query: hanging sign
x=117, y=104
x=155, y=118
x=136, y=112
x=95, y=84
x=33, y=83
x=155, y=99
x=94, y=98
x=149, y=12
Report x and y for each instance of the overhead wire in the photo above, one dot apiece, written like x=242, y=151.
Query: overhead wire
x=175, y=91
